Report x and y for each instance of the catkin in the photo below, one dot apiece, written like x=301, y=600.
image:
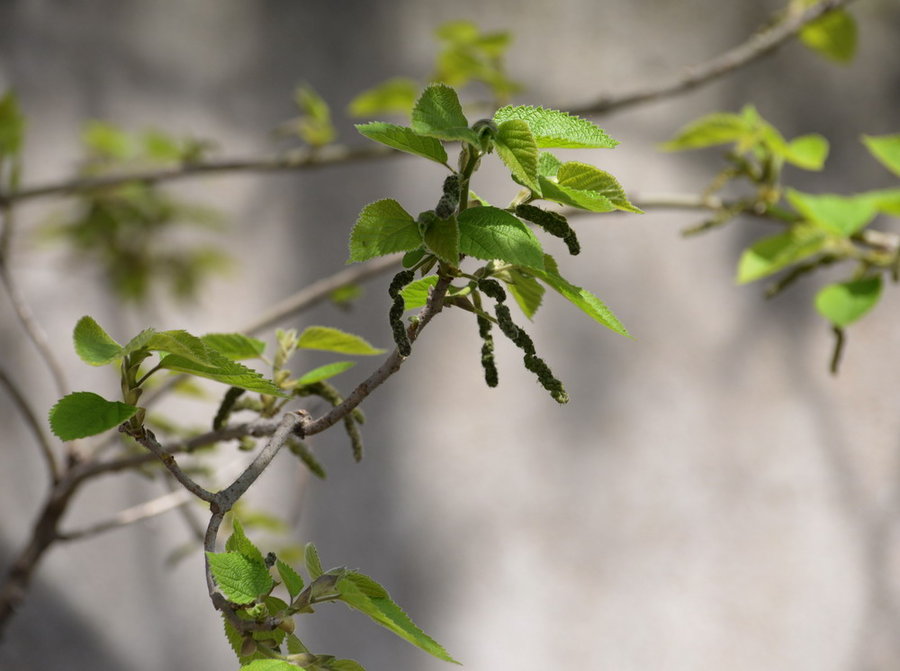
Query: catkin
x=395, y=316
x=487, y=352
x=555, y=224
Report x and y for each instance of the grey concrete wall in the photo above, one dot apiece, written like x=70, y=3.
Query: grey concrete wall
x=710, y=498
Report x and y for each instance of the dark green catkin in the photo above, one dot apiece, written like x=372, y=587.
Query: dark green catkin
x=395, y=316
x=487, y=352
x=450, y=199
x=493, y=289
x=555, y=224
x=225, y=408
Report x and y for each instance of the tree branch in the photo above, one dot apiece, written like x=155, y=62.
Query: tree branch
x=759, y=44
x=32, y=421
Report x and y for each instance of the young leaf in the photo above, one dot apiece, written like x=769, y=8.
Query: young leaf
x=516, y=146
x=325, y=372
x=383, y=227
x=583, y=299
x=395, y=95
x=575, y=176
x=885, y=200
x=526, y=291
x=238, y=542
x=807, y=151
x=235, y=346
x=709, y=130
x=841, y=215
x=552, y=128
x=584, y=200
x=269, y=665
x=242, y=579
x=345, y=665
x=833, y=36
x=548, y=164
x=93, y=344
x=885, y=148
x=334, y=340
x=314, y=126
x=442, y=238
x=844, y=303
x=438, y=114
x=223, y=370
x=83, y=413
x=12, y=125
x=489, y=233
x=415, y=294
x=291, y=579
x=775, y=252
x=404, y=139
x=388, y=614
x=313, y=564
x=138, y=342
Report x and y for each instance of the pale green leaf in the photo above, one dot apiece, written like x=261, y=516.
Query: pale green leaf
x=313, y=563
x=489, y=233
x=388, y=614
x=885, y=148
x=885, y=200
x=583, y=299
x=238, y=542
x=83, y=413
x=292, y=580
x=325, y=372
x=841, y=215
x=396, y=95
x=775, y=252
x=415, y=294
x=584, y=200
x=242, y=579
x=335, y=340
x=138, y=342
x=575, y=176
x=548, y=164
x=345, y=665
x=438, y=113
x=405, y=139
x=383, y=227
x=442, y=238
x=807, y=151
x=223, y=370
x=235, y=346
x=93, y=344
x=846, y=302
x=108, y=141
x=516, y=147
x=526, y=291
x=552, y=128
x=833, y=36
x=269, y=665
x=710, y=130
x=314, y=126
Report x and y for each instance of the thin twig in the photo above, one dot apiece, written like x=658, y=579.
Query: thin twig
x=152, y=508
x=146, y=438
x=758, y=45
x=32, y=421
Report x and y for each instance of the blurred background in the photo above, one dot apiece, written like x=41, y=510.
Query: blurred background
x=711, y=497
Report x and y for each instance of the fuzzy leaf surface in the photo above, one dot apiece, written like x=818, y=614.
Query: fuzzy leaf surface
x=93, y=344
x=548, y=164
x=552, y=128
x=438, y=113
x=238, y=542
x=404, y=139
x=383, y=227
x=388, y=614
x=575, y=176
x=489, y=233
x=334, y=340
x=291, y=579
x=234, y=346
x=775, y=252
x=415, y=294
x=846, y=302
x=313, y=563
x=442, y=238
x=222, y=370
x=241, y=578
x=84, y=413
x=527, y=291
x=329, y=370
x=583, y=299
x=885, y=148
x=516, y=146
x=584, y=200
x=842, y=215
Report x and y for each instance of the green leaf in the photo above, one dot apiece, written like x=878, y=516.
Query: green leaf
x=807, y=151
x=238, y=542
x=575, y=176
x=775, y=252
x=841, y=215
x=438, y=113
x=885, y=148
x=12, y=125
x=366, y=585
x=291, y=579
x=395, y=95
x=846, y=302
x=242, y=579
x=516, y=146
x=548, y=164
x=709, y=130
x=269, y=665
x=552, y=128
x=223, y=370
x=345, y=665
x=526, y=291
x=489, y=233
x=583, y=299
x=83, y=413
x=415, y=294
x=404, y=139
x=885, y=200
x=584, y=200
x=442, y=238
x=833, y=36
x=235, y=346
x=388, y=614
x=313, y=564
x=138, y=342
x=383, y=227
x=93, y=344
x=314, y=127
x=325, y=372
x=334, y=340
